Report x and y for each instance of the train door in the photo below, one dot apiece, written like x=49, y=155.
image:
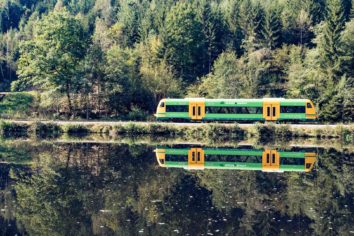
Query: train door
x=310, y=160
x=196, y=110
x=196, y=158
x=271, y=110
x=270, y=161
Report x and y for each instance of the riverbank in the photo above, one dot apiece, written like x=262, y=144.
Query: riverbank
x=198, y=131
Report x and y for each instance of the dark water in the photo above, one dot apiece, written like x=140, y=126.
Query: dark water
x=120, y=189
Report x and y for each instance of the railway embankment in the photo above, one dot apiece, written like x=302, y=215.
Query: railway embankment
x=217, y=131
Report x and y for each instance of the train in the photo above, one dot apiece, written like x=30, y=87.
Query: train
x=241, y=158
x=266, y=109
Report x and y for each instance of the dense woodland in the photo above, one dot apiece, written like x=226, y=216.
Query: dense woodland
x=117, y=58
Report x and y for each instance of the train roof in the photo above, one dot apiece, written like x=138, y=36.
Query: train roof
x=235, y=100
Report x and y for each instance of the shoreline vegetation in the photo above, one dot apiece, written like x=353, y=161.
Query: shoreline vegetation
x=205, y=131
x=98, y=139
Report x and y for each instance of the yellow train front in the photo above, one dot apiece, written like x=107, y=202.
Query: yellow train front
x=266, y=109
x=267, y=160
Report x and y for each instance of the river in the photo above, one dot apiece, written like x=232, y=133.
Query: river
x=97, y=188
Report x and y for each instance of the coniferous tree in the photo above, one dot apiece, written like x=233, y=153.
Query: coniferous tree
x=330, y=43
x=347, y=42
x=129, y=17
x=183, y=41
x=252, y=23
x=351, y=12
x=272, y=29
x=317, y=10
x=214, y=30
x=234, y=36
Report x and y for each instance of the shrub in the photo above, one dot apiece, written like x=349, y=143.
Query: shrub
x=46, y=130
x=137, y=114
x=9, y=129
x=283, y=131
x=76, y=129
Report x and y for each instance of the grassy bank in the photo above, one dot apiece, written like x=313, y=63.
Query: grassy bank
x=271, y=131
x=210, y=131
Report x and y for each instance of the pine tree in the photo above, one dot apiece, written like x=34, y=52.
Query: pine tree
x=214, y=30
x=351, y=12
x=252, y=23
x=317, y=10
x=330, y=43
x=231, y=13
x=183, y=41
x=347, y=41
x=272, y=29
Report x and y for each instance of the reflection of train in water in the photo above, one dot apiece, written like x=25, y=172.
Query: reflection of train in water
x=235, y=159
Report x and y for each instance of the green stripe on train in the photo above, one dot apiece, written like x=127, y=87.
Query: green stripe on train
x=292, y=116
x=292, y=154
x=292, y=102
x=177, y=102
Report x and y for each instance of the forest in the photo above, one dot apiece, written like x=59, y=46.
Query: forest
x=117, y=58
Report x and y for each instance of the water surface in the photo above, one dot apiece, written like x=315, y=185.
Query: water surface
x=67, y=188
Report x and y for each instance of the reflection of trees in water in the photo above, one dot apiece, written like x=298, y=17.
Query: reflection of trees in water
x=289, y=202
x=119, y=189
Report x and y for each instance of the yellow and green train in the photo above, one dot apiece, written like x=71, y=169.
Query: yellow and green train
x=266, y=109
x=267, y=160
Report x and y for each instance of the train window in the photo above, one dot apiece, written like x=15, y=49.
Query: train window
x=268, y=161
x=231, y=158
x=199, y=111
x=177, y=108
x=268, y=111
x=181, y=158
x=273, y=111
x=273, y=158
x=292, y=109
x=309, y=105
x=234, y=110
x=292, y=161
x=193, y=111
x=254, y=110
x=162, y=104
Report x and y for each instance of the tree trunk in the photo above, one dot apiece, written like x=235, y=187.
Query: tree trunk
x=69, y=98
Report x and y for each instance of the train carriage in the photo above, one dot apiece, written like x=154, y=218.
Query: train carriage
x=266, y=160
x=266, y=109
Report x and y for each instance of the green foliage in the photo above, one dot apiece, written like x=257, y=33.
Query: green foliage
x=228, y=79
x=102, y=59
x=52, y=59
x=272, y=29
x=330, y=42
x=16, y=104
x=184, y=31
